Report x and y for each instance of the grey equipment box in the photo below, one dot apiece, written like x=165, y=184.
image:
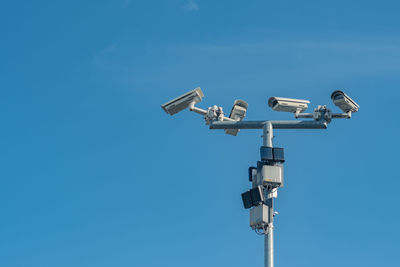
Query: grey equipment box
x=259, y=216
x=270, y=175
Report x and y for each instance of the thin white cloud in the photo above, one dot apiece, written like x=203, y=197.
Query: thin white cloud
x=108, y=49
x=191, y=5
x=100, y=58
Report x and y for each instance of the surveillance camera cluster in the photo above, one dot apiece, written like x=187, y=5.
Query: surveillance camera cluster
x=213, y=113
x=267, y=177
x=239, y=108
x=298, y=106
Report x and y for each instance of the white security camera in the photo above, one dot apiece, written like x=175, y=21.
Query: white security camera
x=288, y=104
x=344, y=102
x=238, y=113
x=184, y=101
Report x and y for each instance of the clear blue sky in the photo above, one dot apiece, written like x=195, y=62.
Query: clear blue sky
x=94, y=173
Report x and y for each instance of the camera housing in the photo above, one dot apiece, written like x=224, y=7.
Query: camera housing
x=344, y=102
x=182, y=102
x=288, y=104
x=238, y=113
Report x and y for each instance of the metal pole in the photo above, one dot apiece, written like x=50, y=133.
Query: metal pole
x=275, y=124
x=269, y=245
x=268, y=135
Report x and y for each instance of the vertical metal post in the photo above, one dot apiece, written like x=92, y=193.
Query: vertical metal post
x=268, y=135
x=269, y=243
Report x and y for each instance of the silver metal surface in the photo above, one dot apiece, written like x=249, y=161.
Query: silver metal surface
x=259, y=216
x=344, y=102
x=269, y=246
x=304, y=115
x=275, y=124
x=288, y=104
x=342, y=115
x=270, y=175
x=197, y=110
x=238, y=113
x=269, y=235
x=184, y=101
x=268, y=134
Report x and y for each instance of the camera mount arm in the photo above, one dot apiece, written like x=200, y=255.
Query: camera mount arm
x=213, y=113
x=322, y=112
x=274, y=124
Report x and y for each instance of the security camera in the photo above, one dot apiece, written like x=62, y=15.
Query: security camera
x=288, y=104
x=238, y=113
x=344, y=102
x=184, y=101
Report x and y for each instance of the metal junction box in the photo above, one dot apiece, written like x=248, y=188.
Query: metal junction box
x=270, y=175
x=259, y=216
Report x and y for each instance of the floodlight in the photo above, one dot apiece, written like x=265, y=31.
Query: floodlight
x=184, y=101
x=246, y=198
x=257, y=195
x=253, y=197
x=238, y=113
x=252, y=173
x=288, y=104
x=272, y=155
x=344, y=102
